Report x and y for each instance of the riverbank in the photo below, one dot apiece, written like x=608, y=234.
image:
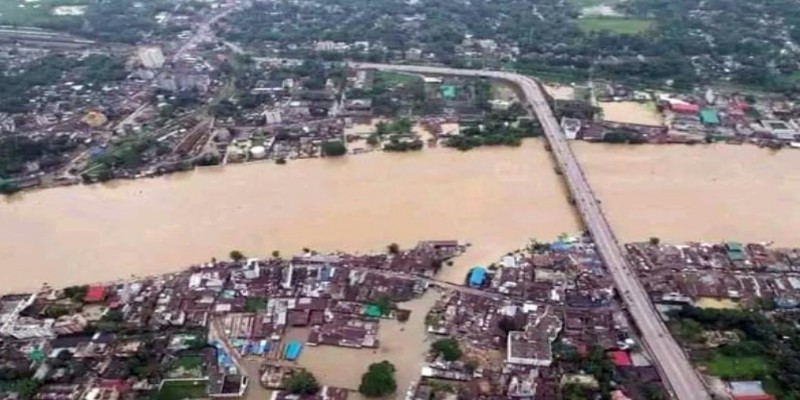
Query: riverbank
x=635, y=129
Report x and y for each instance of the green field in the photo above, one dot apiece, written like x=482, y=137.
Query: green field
x=178, y=390
x=630, y=26
x=35, y=12
x=255, y=304
x=591, y=3
x=395, y=78
x=190, y=361
x=726, y=367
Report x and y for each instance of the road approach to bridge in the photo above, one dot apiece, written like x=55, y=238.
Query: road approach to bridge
x=668, y=356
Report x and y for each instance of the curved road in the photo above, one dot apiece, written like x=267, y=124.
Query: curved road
x=665, y=351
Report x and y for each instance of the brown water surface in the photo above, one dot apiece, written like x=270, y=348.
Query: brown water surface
x=495, y=198
x=405, y=345
x=697, y=193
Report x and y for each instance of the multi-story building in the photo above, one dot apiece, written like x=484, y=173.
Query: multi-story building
x=151, y=57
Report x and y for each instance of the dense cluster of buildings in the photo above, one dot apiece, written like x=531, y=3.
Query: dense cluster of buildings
x=537, y=323
x=156, y=334
x=725, y=275
x=536, y=307
x=697, y=117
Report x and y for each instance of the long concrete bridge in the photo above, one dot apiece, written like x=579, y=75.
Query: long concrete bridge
x=668, y=356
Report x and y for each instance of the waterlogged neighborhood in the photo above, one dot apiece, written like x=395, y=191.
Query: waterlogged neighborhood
x=542, y=322
x=352, y=130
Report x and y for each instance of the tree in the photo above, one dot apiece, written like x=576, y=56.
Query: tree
x=223, y=109
x=655, y=241
x=76, y=293
x=373, y=139
x=115, y=316
x=508, y=324
x=653, y=392
x=393, y=248
x=236, y=255
x=447, y=348
x=333, y=148
x=385, y=304
x=65, y=355
x=56, y=311
x=379, y=380
x=276, y=254
x=574, y=391
x=302, y=383
x=8, y=187
x=26, y=388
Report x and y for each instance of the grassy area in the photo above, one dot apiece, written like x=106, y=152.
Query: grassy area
x=590, y=3
x=630, y=26
x=178, y=390
x=503, y=91
x=396, y=78
x=34, y=12
x=727, y=367
x=189, y=361
x=255, y=304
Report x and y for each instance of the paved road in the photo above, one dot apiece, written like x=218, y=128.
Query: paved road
x=668, y=356
x=217, y=332
x=203, y=32
x=434, y=282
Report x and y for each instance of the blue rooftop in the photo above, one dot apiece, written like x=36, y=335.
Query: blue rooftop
x=476, y=276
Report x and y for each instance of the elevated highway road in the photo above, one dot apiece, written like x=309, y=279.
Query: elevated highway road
x=665, y=351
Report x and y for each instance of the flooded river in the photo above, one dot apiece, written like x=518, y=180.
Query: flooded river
x=696, y=193
x=495, y=198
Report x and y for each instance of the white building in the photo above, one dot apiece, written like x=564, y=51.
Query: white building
x=532, y=351
x=273, y=117
x=571, y=127
x=151, y=57
x=414, y=54
x=328, y=45
x=533, y=347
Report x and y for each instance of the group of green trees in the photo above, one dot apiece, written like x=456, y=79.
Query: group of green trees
x=772, y=341
x=738, y=46
x=494, y=130
x=76, y=293
x=17, y=85
x=448, y=349
x=302, y=383
x=127, y=154
x=17, y=150
x=595, y=363
x=333, y=148
x=379, y=380
x=623, y=136
x=399, y=134
x=123, y=21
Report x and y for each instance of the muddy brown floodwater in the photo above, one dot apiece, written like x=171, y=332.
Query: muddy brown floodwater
x=696, y=193
x=403, y=344
x=494, y=198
